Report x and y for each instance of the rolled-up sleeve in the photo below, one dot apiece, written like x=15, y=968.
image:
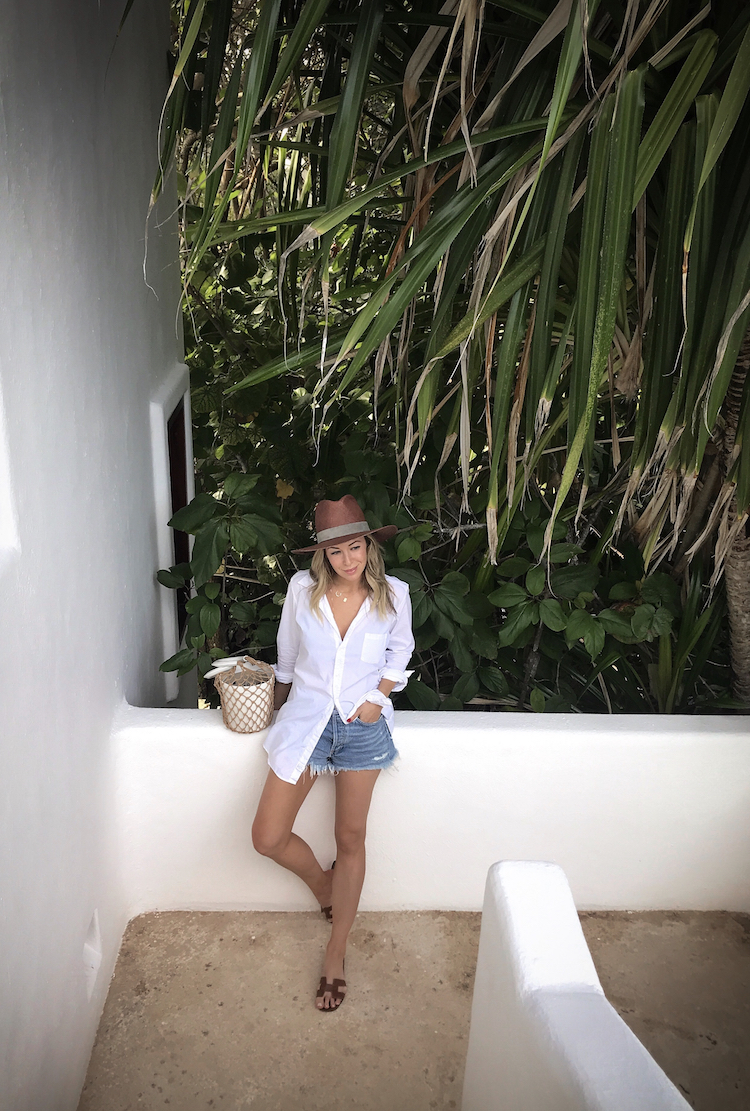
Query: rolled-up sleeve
x=400, y=645
x=287, y=639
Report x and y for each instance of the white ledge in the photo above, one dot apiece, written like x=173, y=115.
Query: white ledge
x=543, y=1037
x=641, y=812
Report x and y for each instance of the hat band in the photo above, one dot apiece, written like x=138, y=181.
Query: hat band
x=342, y=530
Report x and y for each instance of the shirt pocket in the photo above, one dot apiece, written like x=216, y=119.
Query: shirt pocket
x=373, y=647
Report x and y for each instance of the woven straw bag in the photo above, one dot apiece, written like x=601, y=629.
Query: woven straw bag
x=245, y=688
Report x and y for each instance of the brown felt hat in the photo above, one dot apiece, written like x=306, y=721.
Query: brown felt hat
x=336, y=522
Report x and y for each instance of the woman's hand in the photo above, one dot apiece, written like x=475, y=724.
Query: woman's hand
x=367, y=712
x=280, y=694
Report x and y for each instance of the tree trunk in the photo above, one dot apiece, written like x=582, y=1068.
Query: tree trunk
x=737, y=566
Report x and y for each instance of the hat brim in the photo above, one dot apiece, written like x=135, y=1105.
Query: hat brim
x=387, y=532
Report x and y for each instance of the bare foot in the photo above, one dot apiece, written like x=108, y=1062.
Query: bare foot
x=332, y=988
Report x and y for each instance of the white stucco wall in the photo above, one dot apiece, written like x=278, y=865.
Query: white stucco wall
x=84, y=346
x=641, y=812
x=543, y=1037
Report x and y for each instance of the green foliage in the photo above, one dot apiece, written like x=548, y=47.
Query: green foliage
x=553, y=622
x=406, y=282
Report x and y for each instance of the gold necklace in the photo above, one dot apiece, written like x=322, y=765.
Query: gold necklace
x=339, y=594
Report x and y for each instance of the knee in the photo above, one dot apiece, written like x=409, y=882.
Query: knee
x=266, y=840
x=350, y=840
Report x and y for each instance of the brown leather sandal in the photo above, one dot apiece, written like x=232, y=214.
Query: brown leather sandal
x=334, y=989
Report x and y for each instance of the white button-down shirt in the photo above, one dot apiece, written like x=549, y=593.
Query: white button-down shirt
x=329, y=673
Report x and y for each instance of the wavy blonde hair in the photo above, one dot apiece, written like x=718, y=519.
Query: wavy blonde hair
x=374, y=575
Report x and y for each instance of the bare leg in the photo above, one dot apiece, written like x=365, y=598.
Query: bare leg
x=353, y=795
x=272, y=833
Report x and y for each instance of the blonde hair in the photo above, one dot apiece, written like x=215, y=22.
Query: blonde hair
x=322, y=575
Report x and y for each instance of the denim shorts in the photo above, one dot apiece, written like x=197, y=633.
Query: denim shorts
x=355, y=746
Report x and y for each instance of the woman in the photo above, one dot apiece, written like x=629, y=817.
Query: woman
x=344, y=643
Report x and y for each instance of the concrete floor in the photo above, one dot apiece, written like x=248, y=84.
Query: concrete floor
x=215, y=1010
x=681, y=981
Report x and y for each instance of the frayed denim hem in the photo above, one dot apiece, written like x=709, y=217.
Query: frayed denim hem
x=326, y=769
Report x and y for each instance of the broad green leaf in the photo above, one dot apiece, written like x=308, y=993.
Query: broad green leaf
x=462, y=657
x=193, y=516
x=208, y=551
x=409, y=575
x=477, y=605
x=210, y=618
x=166, y=578
x=426, y=636
x=443, y=626
x=483, y=640
x=622, y=591
x=617, y=624
x=568, y=582
x=454, y=583
x=452, y=606
x=661, y=590
x=450, y=702
x=535, y=536
x=242, y=535
x=421, y=696
x=578, y=624
x=211, y=590
x=270, y=538
x=662, y=622
x=506, y=596
x=174, y=663
x=513, y=567
x=244, y=613
x=238, y=485
x=193, y=628
x=561, y=553
x=537, y=700
x=516, y=621
x=466, y=688
x=642, y=621
x=551, y=614
x=536, y=580
x=493, y=679
x=421, y=608
x=408, y=548
x=593, y=639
